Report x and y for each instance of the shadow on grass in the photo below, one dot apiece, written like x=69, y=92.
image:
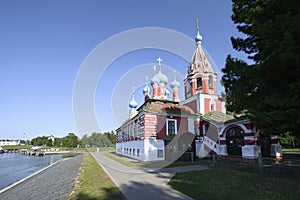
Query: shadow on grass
x=108, y=193
x=130, y=162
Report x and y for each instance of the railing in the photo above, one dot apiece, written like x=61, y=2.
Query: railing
x=211, y=144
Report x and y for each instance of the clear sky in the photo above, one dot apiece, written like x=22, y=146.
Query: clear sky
x=43, y=44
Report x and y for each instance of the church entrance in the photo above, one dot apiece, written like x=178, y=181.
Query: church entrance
x=234, y=141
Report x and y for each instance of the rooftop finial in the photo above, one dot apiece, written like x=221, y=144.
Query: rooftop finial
x=198, y=36
x=159, y=60
x=146, y=80
x=197, y=24
x=154, y=70
x=174, y=74
x=133, y=90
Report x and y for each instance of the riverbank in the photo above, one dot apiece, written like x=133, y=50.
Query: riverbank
x=54, y=183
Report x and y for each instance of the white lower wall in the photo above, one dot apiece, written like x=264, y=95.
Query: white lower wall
x=201, y=152
x=144, y=150
x=223, y=150
x=250, y=151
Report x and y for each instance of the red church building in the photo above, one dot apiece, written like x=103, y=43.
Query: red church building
x=153, y=130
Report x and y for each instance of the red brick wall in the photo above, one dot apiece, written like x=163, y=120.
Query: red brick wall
x=150, y=122
x=192, y=105
x=218, y=105
x=206, y=105
x=205, y=86
x=182, y=124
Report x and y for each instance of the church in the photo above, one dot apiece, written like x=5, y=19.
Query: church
x=164, y=129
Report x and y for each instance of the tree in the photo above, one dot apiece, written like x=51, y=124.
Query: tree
x=267, y=88
x=22, y=142
x=98, y=139
x=71, y=140
x=58, y=142
x=111, y=136
x=287, y=140
x=41, y=141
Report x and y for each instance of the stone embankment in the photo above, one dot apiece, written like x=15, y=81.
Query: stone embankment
x=55, y=182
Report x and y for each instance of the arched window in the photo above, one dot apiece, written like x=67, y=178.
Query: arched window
x=212, y=105
x=199, y=83
x=211, y=82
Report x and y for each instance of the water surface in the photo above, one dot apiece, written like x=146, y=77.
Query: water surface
x=14, y=167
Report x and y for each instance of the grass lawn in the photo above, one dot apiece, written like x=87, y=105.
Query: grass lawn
x=121, y=159
x=17, y=147
x=93, y=182
x=225, y=183
x=290, y=150
x=135, y=163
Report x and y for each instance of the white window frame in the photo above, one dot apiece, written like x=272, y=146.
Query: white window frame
x=197, y=86
x=210, y=82
x=212, y=105
x=167, y=126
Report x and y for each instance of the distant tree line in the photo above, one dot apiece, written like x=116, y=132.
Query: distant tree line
x=106, y=139
x=71, y=140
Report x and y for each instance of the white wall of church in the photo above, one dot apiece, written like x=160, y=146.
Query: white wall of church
x=154, y=149
x=143, y=150
x=250, y=151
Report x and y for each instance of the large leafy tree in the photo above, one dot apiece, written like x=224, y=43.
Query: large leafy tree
x=98, y=139
x=267, y=86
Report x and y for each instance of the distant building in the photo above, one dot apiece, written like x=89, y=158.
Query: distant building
x=52, y=138
x=9, y=142
x=148, y=133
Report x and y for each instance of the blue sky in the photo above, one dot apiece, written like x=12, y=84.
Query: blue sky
x=44, y=43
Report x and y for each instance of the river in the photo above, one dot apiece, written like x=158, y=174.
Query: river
x=14, y=167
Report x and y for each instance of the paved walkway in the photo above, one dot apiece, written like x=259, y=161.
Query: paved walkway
x=141, y=183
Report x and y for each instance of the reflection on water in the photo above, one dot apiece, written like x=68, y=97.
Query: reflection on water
x=14, y=167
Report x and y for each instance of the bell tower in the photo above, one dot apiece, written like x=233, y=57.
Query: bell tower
x=200, y=83
x=200, y=76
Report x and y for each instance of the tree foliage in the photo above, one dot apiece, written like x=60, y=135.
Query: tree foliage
x=107, y=139
x=41, y=141
x=287, y=140
x=267, y=88
x=70, y=141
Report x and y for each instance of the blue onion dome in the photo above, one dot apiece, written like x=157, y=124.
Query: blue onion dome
x=198, y=37
x=161, y=77
x=167, y=92
x=146, y=89
x=155, y=79
x=132, y=103
x=175, y=83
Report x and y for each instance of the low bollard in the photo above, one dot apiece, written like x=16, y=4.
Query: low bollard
x=192, y=157
x=260, y=162
x=214, y=160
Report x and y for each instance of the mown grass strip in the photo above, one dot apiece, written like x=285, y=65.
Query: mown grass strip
x=121, y=159
x=134, y=163
x=223, y=183
x=290, y=150
x=93, y=182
